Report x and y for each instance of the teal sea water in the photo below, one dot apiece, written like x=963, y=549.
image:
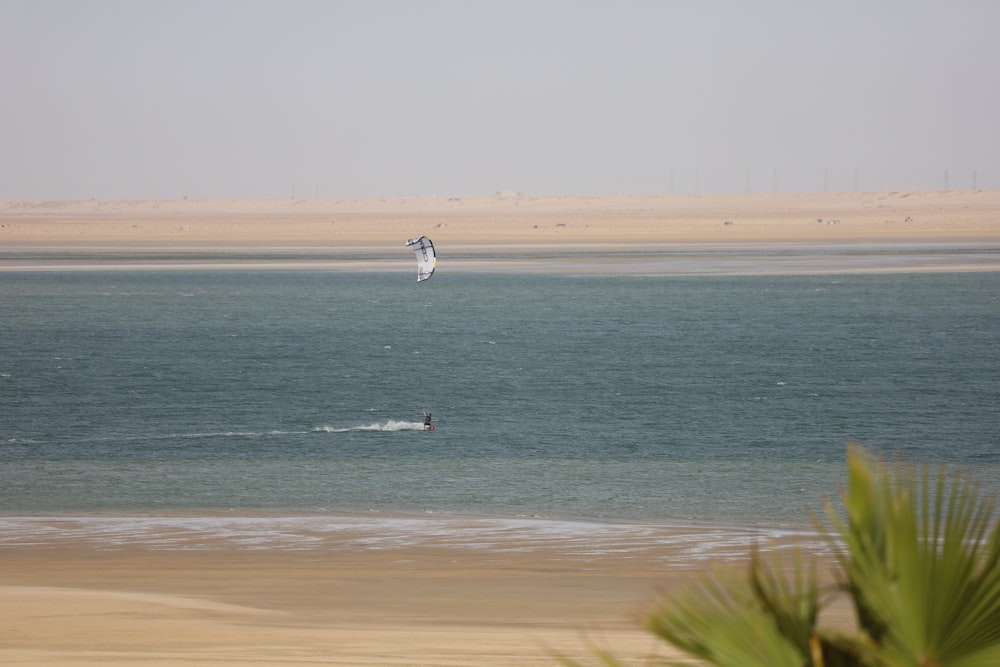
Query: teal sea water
x=617, y=399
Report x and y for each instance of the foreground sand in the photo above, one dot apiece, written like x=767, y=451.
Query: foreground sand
x=649, y=234
x=443, y=599
x=412, y=607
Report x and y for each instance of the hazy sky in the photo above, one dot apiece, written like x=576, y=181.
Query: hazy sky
x=281, y=98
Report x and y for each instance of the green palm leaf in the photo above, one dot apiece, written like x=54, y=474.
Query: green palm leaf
x=722, y=625
x=921, y=564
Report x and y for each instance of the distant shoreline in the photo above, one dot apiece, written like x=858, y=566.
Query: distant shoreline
x=657, y=235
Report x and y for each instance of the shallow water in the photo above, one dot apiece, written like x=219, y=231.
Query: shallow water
x=636, y=399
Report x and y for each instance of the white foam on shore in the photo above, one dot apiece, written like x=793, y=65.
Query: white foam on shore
x=681, y=546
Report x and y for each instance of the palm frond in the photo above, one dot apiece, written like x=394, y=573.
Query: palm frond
x=921, y=563
x=793, y=603
x=763, y=622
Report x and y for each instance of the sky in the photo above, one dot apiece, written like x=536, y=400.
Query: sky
x=214, y=99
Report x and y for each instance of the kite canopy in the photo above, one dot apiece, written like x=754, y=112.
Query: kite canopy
x=426, y=257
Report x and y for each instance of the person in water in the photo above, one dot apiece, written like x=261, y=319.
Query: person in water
x=427, y=422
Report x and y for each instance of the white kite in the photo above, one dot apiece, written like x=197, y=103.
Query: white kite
x=426, y=257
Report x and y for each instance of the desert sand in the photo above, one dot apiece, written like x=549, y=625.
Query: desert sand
x=665, y=234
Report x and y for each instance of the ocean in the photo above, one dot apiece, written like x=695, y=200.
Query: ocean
x=619, y=399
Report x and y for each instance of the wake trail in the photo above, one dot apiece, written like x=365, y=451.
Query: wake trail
x=391, y=425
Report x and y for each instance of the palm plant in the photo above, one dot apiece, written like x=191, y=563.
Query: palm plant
x=918, y=556
x=921, y=566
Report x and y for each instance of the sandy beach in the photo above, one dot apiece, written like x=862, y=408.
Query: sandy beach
x=447, y=597
x=78, y=606
x=72, y=600
x=666, y=234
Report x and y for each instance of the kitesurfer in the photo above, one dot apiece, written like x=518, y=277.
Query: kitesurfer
x=427, y=422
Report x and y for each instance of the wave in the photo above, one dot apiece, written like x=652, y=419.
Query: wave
x=675, y=545
x=391, y=425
